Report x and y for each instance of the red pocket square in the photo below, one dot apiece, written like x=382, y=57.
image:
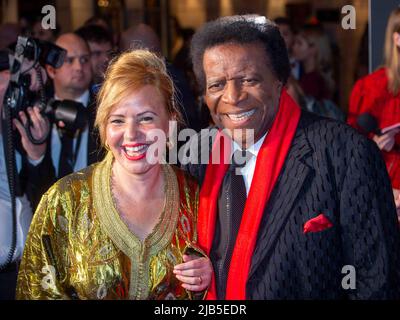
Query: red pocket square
x=317, y=224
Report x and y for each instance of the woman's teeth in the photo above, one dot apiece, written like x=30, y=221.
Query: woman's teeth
x=237, y=117
x=130, y=151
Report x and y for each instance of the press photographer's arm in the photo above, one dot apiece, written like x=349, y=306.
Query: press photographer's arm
x=39, y=124
x=34, y=173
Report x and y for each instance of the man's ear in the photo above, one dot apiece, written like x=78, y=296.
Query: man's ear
x=279, y=85
x=50, y=71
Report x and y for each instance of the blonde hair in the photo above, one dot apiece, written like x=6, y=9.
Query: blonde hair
x=127, y=73
x=316, y=38
x=391, y=53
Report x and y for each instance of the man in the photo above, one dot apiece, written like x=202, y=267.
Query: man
x=287, y=33
x=313, y=197
x=71, y=81
x=32, y=175
x=101, y=46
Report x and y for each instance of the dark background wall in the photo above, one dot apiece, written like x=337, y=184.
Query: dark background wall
x=379, y=14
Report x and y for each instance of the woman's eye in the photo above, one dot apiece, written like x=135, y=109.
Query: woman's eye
x=116, y=121
x=146, y=119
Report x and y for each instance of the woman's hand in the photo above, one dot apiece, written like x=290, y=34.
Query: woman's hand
x=386, y=141
x=195, y=272
x=39, y=129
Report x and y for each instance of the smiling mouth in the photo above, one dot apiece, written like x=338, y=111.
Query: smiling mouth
x=239, y=117
x=135, y=152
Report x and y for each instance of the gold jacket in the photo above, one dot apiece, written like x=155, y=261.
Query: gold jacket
x=79, y=248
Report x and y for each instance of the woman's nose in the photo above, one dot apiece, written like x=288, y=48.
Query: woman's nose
x=131, y=131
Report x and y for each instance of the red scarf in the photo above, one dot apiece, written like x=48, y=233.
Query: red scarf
x=269, y=163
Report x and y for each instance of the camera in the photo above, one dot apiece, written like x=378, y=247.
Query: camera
x=18, y=96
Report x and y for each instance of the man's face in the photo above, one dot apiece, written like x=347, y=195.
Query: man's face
x=100, y=57
x=241, y=90
x=74, y=76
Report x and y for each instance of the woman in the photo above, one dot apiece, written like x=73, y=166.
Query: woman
x=312, y=49
x=378, y=95
x=121, y=228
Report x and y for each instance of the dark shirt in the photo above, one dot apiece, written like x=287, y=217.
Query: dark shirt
x=313, y=84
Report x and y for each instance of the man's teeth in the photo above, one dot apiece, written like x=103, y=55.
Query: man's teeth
x=138, y=149
x=241, y=116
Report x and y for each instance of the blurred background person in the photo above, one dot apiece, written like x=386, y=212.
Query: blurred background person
x=9, y=33
x=288, y=34
x=101, y=49
x=40, y=33
x=101, y=21
x=378, y=95
x=312, y=49
x=143, y=36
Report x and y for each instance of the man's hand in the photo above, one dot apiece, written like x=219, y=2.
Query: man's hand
x=386, y=141
x=195, y=272
x=39, y=129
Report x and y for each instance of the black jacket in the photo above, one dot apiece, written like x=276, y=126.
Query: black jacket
x=329, y=169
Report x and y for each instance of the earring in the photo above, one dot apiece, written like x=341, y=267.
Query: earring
x=170, y=145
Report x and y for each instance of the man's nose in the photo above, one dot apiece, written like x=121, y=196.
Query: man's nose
x=233, y=93
x=78, y=65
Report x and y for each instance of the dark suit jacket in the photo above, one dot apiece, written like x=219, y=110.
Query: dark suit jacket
x=330, y=169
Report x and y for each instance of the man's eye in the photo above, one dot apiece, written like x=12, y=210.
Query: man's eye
x=249, y=81
x=84, y=60
x=215, y=86
x=69, y=60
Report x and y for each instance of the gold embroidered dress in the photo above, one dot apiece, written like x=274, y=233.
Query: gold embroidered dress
x=79, y=248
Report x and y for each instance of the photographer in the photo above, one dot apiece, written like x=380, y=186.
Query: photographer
x=71, y=152
x=33, y=175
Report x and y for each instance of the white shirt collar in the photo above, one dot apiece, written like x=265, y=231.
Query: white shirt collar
x=84, y=98
x=253, y=149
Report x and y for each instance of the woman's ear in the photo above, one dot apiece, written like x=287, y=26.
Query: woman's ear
x=396, y=39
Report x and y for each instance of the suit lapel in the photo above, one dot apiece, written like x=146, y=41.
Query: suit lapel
x=286, y=190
